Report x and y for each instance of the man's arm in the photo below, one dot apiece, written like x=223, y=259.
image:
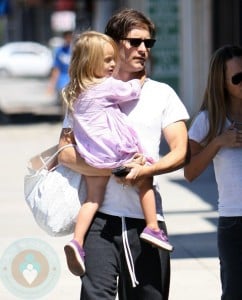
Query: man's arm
x=177, y=140
x=70, y=158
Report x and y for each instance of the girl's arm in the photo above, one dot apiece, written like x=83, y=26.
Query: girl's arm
x=70, y=158
x=124, y=91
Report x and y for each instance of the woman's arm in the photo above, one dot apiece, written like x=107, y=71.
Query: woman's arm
x=201, y=157
x=70, y=158
x=177, y=139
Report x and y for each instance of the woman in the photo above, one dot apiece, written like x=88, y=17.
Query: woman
x=216, y=136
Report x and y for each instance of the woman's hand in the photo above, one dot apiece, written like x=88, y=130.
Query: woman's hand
x=231, y=138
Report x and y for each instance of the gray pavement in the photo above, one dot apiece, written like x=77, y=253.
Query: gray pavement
x=190, y=211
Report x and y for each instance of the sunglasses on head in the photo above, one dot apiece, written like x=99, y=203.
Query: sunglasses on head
x=135, y=42
x=237, y=78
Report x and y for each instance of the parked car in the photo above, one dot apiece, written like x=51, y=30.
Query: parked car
x=25, y=59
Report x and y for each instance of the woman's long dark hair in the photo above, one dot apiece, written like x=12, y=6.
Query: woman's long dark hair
x=216, y=98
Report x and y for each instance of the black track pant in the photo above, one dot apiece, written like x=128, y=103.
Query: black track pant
x=106, y=266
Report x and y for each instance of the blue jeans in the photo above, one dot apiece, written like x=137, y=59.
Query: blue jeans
x=230, y=256
x=105, y=262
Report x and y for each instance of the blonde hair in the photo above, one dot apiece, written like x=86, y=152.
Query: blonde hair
x=86, y=63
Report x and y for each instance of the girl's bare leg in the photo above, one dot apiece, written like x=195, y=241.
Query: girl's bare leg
x=152, y=233
x=96, y=186
x=147, y=199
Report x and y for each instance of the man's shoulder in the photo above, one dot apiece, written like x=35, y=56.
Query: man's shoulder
x=158, y=88
x=162, y=85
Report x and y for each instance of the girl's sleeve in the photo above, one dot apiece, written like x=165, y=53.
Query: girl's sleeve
x=123, y=91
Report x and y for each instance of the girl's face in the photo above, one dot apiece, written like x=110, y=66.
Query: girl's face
x=109, y=62
x=233, y=72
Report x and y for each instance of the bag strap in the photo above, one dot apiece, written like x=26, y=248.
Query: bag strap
x=53, y=156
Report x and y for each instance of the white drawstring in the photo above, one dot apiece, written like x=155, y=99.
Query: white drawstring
x=128, y=254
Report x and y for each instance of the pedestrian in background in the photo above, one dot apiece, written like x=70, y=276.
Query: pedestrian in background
x=116, y=258
x=216, y=136
x=59, y=75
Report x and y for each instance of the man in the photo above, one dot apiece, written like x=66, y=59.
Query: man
x=115, y=255
x=59, y=75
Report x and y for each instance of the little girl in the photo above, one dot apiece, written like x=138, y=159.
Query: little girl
x=104, y=139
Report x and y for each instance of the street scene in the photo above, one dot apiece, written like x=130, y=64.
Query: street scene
x=36, y=47
x=190, y=212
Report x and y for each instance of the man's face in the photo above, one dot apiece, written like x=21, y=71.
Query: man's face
x=133, y=58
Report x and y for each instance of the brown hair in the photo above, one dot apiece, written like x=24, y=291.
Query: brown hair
x=122, y=22
x=216, y=98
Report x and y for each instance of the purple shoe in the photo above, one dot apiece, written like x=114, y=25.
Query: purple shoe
x=156, y=238
x=75, y=258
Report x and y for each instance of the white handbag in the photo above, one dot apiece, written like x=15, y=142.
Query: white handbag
x=53, y=192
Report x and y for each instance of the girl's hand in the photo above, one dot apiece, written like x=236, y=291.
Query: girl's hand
x=139, y=158
x=142, y=80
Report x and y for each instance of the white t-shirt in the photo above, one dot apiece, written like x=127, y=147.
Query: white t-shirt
x=227, y=167
x=157, y=107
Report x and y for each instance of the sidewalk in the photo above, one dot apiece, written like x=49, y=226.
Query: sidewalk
x=191, y=217
x=190, y=211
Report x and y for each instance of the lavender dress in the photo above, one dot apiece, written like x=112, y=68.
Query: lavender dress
x=102, y=133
